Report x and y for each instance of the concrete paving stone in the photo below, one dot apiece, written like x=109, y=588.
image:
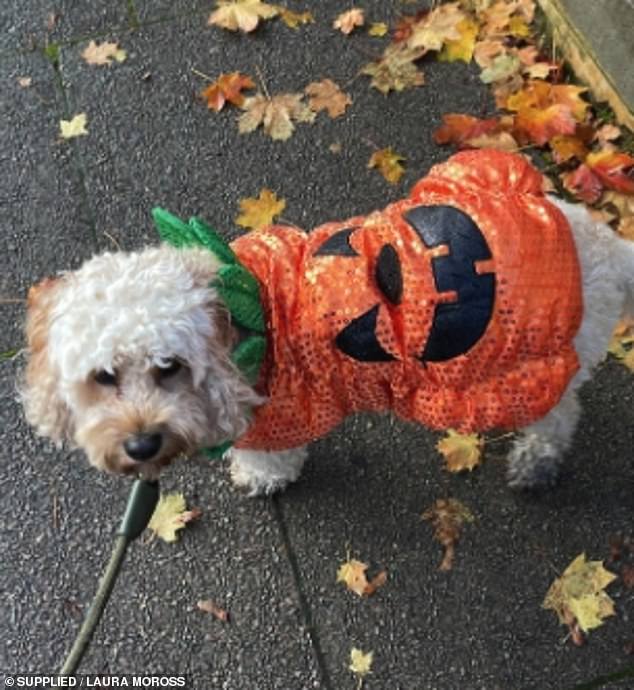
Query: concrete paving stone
x=45, y=226
x=59, y=516
x=25, y=25
x=480, y=625
x=153, y=143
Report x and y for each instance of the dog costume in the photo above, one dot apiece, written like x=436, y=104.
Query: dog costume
x=455, y=307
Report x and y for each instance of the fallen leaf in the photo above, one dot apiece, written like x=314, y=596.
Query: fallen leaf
x=378, y=29
x=228, y=87
x=348, y=21
x=326, y=95
x=437, y=27
x=76, y=127
x=294, y=19
x=395, y=70
x=607, y=133
x=614, y=169
x=25, y=82
x=336, y=147
x=461, y=49
x=103, y=54
x=241, y=15
x=621, y=344
x=484, y=52
x=577, y=597
x=275, y=114
x=448, y=517
x=501, y=141
x=458, y=128
x=461, y=451
x=360, y=663
x=627, y=576
x=539, y=125
x=565, y=147
x=583, y=183
x=352, y=574
x=208, y=606
x=260, y=212
x=502, y=67
x=388, y=164
x=170, y=515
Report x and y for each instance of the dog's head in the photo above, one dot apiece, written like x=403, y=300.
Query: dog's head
x=129, y=359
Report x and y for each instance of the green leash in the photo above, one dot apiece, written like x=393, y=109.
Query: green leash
x=141, y=503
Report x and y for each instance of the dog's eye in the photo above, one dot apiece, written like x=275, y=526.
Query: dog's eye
x=172, y=368
x=106, y=378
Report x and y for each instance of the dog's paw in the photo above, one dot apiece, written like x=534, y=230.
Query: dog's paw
x=263, y=474
x=533, y=464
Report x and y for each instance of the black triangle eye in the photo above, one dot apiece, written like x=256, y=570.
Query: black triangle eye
x=106, y=378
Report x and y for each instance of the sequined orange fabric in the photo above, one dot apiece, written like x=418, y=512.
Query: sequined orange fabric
x=515, y=372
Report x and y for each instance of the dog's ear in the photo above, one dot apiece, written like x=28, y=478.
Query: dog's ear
x=43, y=406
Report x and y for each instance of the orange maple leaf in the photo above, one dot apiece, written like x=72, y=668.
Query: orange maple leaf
x=565, y=147
x=614, y=168
x=457, y=128
x=540, y=125
x=583, y=183
x=228, y=87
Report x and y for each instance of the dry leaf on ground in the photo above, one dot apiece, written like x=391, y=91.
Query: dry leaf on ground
x=241, y=15
x=275, y=114
x=378, y=29
x=348, y=21
x=69, y=129
x=294, y=19
x=209, y=606
x=228, y=87
x=440, y=25
x=622, y=343
x=326, y=95
x=25, y=82
x=578, y=596
x=448, y=516
x=461, y=451
x=360, y=664
x=171, y=515
x=352, y=573
x=103, y=54
x=388, y=163
x=260, y=212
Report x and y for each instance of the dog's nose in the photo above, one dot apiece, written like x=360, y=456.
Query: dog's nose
x=143, y=446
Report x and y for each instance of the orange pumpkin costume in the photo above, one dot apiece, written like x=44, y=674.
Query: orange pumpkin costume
x=455, y=307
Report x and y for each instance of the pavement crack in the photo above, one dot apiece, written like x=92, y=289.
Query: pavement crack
x=304, y=605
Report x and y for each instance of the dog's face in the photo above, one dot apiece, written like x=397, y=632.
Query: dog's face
x=129, y=359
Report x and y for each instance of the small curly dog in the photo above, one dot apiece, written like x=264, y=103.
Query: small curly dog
x=478, y=302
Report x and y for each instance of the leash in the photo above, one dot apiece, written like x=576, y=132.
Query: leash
x=141, y=503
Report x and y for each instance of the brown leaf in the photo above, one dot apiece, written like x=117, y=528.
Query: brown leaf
x=326, y=95
x=228, y=87
x=241, y=15
x=208, y=606
x=395, y=70
x=388, y=164
x=448, y=517
x=275, y=114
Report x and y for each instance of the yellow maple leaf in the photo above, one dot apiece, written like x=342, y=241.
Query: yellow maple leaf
x=171, y=515
x=461, y=49
x=395, y=70
x=360, y=663
x=260, y=212
x=378, y=29
x=326, y=95
x=69, y=129
x=577, y=597
x=448, y=516
x=622, y=343
x=388, y=163
x=103, y=54
x=275, y=114
x=352, y=573
x=294, y=19
x=241, y=15
x=461, y=451
x=348, y=21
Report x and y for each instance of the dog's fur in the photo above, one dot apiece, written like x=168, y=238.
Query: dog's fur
x=133, y=315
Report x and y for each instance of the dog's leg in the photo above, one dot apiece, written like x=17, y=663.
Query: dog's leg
x=536, y=456
x=263, y=473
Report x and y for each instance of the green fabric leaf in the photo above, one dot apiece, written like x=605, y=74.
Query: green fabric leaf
x=241, y=294
x=209, y=238
x=248, y=357
x=172, y=229
x=217, y=451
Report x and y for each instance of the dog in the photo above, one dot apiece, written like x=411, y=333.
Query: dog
x=476, y=303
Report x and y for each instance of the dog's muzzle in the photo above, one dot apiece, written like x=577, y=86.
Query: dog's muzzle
x=143, y=447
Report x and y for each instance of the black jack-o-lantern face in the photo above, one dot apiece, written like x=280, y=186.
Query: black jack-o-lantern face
x=457, y=324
